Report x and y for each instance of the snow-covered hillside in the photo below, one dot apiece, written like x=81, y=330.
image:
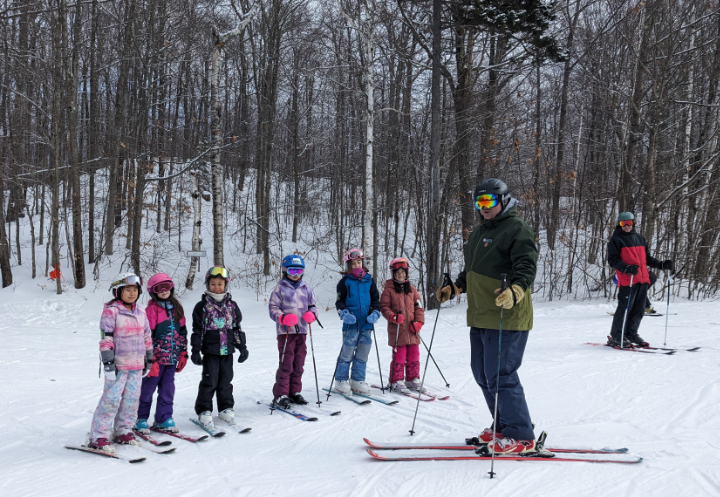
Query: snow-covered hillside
x=665, y=409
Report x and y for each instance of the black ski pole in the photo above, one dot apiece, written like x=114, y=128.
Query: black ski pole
x=382, y=386
x=436, y=364
x=312, y=350
x=627, y=306
x=503, y=285
x=667, y=309
x=432, y=337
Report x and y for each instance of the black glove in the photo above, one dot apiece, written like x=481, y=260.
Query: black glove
x=243, y=354
x=631, y=269
x=242, y=347
x=195, y=358
x=668, y=265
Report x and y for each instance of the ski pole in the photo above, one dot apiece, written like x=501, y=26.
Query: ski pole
x=422, y=383
x=667, y=309
x=436, y=364
x=312, y=350
x=503, y=285
x=627, y=306
x=382, y=386
x=391, y=376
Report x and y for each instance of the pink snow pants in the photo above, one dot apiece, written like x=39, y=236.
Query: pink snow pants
x=119, y=403
x=406, y=363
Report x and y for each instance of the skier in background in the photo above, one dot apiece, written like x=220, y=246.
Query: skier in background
x=628, y=254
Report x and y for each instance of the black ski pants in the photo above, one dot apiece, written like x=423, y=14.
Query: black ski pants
x=637, y=294
x=217, y=375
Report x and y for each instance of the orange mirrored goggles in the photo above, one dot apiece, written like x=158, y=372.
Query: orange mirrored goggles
x=486, y=201
x=629, y=222
x=219, y=271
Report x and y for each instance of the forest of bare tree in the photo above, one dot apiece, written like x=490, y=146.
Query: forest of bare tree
x=369, y=120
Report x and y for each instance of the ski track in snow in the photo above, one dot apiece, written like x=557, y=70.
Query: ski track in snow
x=665, y=409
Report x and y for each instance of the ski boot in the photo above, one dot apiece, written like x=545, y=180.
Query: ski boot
x=167, y=425
x=100, y=444
x=343, y=387
x=282, y=402
x=414, y=385
x=298, y=399
x=206, y=420
x=638, y=341
x=359, y=387
x=507, y=445
x=399, y=387
x=228, y=415
x=126, y=439
x=615, y=343
x=142, y=426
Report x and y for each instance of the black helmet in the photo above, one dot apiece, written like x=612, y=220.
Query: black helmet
x=496, y=187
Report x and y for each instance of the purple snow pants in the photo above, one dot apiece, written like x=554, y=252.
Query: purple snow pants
x=288, y=379
x=165, y=384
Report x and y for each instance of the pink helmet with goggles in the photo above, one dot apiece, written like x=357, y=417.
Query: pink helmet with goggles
x=400, y=263
x=352, y=254
x=159, y=282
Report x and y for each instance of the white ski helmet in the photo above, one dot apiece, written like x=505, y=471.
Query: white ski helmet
x=125, y=279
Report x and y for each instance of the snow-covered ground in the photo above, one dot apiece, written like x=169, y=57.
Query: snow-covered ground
x=665, y=409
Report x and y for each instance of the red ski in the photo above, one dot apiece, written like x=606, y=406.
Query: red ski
x=500, y=457
x=456, y=446
x=181, y=436
x=148, y=438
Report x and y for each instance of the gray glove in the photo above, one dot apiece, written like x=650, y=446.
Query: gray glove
x=108, y=359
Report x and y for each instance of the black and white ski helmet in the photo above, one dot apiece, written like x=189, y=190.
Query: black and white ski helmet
x=494, y=186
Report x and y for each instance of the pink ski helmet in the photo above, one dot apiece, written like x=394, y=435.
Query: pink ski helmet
x=155, y=281
x=400, y=263
x=352, y=254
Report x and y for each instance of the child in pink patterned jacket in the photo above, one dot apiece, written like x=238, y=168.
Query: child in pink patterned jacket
x=126, y=350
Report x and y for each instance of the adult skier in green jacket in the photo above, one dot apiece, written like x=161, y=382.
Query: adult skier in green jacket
x=501, y=243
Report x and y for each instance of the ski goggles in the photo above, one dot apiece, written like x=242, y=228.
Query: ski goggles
x=163, y=286
x=128, y=280
x=295, y=271
x=628, y=222
x=219, y=271
x=486, y=201
x=356, y=254
x=403, y=264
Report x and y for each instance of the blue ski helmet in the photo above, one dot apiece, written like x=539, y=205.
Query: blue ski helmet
x=292, y=261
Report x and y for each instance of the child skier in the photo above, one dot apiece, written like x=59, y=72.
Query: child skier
x=216, y=334
x=126, y=352
x=401, y=305
x=292, y=306
x=169, y=335
x=358, y=305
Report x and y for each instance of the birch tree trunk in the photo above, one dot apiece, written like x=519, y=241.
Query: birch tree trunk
x=197, y=222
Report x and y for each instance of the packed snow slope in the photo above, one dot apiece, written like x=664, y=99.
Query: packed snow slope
x=665, y=409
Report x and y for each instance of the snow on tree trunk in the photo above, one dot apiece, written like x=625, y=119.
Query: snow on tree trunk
x=197, y=222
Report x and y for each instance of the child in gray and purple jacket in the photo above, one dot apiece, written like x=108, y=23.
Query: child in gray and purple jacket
x=292, y=306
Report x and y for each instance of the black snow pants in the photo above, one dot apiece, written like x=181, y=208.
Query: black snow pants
x=217, y=375
x=637, y=295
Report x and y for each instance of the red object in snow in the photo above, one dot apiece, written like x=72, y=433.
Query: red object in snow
x=55, y=273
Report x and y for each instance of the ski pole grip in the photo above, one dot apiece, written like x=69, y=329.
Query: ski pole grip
x=503, y=281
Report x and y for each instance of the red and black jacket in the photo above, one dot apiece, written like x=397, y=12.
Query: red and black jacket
x=625, y=249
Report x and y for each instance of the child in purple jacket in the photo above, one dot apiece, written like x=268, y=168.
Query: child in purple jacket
x=126, y=351
x=292, y=306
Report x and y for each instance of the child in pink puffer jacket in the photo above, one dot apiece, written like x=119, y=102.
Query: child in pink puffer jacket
x=127, y=353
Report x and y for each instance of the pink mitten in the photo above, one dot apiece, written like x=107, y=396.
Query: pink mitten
x=288, y=320
x=309, y=317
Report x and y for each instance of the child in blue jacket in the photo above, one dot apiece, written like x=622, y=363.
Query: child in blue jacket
x=358, y=305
